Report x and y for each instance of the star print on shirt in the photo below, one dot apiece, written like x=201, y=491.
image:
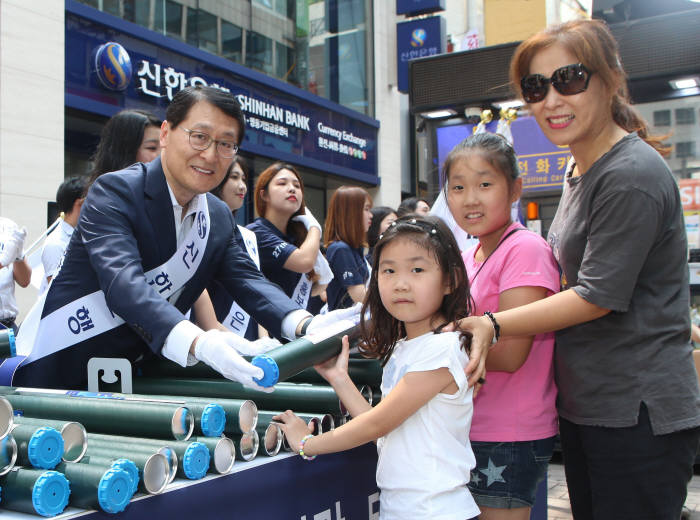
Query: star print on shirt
x=475, y=478
x=493, y=473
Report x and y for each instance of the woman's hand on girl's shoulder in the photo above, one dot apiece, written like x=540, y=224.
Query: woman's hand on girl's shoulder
x=481, y=330
x=294, y=428
x=336, y=369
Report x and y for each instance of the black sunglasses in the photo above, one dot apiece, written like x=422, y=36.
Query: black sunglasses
x=567, y=80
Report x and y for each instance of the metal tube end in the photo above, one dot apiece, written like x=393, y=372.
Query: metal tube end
x=224, y=455
x=272, y=441
x=6, y=417
x=156, y=473
x=315, y=422
x=327, y=423
x=171, y=458
x=248, y=445
x=182, y=424
x=248, y=416
x=8, y=454
x=74, y=441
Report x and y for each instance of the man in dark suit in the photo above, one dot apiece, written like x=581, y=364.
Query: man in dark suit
x=148, y=241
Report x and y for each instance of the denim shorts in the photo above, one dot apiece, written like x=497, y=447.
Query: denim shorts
x=507, y=474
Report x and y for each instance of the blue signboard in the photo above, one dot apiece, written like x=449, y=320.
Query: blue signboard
x=282, y=122
x=416, y=7
x=542, y=164
x=417, y=39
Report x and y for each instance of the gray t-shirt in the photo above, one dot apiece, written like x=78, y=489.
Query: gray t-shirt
x=620, y=240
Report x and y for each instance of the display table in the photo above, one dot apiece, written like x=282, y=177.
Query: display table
x=331, y=487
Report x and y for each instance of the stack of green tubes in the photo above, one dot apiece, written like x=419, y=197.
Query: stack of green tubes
x=158, y=420
x=362, y=372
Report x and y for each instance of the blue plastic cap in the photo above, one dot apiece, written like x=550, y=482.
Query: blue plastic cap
x=50, y=493
x=11, y=339
x=131, y=469
x=114, y=490
x=195, y=463
x=269, y=366
x=213, y=420
x=45, y=448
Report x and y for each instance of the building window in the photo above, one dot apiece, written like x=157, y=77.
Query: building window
x=231, y=41
x=201, y=29
x=258, y=52
x=662, y=118
x=286, y=63
x=685, y=116
x=167, y=18
x=685, y=150
x=137, y=11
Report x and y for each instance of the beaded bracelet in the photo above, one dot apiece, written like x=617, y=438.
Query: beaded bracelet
x=301, y=448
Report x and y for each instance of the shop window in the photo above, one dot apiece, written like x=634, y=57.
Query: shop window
x=111, y=7
x=685, y=116
x=662, y=118
x=258, y=52
x=231, y=41
x=685, y=150
x=201, y=29
x=167, y=18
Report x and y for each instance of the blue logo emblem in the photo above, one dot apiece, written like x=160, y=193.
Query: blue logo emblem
x=418, y=37
x=201, y=224
x=113, y=66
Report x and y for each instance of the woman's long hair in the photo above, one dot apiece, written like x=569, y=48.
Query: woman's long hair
x=593, y=45
x=345, y=220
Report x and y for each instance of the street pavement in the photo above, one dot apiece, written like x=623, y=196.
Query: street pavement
x=558, y=507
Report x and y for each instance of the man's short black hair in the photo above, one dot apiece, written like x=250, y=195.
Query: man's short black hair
x=69, y=191
x=183, y=101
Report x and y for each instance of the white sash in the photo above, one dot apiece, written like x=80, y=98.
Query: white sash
x=89, y=316
x=237, y=319
x=302, y=292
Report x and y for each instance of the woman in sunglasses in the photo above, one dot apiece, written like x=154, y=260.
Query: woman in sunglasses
x=628, y=402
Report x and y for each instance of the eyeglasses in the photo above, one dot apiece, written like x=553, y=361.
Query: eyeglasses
x=567, y=80
x=201, y=141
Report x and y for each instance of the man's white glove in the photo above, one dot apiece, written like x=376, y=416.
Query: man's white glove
x=13, y=244
x=213, y=348
x=351, y=316
x=250, y=348
x=308, y=220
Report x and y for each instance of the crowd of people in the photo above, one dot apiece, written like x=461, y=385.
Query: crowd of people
x=488, y=353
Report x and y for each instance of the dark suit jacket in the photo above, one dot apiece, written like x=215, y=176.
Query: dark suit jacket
x=126, y=228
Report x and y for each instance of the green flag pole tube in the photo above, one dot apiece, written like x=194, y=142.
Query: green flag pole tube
x=8, y=454
x=239, y=415
x=151, y=474
x=94, y=487
x=303, y=398
x=151, y=464
x=324, y=420
x=270, y=436
x=38, y=446
x=193, y=457
x=6, y=417
x=35, y=491
x=361, y=371
x=105, y=415
x=283, y=362
x=246, y=445
x=73, y=433
x=7, y=343
x=222, y=452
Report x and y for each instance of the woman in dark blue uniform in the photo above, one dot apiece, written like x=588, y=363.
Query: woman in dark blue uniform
x=288, y=235
x=349, y=218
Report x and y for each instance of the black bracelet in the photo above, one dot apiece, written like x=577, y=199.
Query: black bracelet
x=496, y=326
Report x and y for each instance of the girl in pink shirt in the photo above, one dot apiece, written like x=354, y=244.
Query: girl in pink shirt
x=515, y=418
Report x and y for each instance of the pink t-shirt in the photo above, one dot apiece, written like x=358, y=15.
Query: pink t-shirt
x=518, y=406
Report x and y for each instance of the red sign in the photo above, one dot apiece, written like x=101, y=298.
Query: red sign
x=690, y=194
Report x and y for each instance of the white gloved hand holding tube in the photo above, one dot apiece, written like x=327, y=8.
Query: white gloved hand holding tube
x=308, y=220
x=214, y=349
